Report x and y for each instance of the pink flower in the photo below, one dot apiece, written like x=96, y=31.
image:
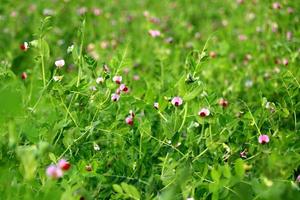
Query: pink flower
x=124, y=88
x=115, y=97
x=24, y=46
x=118, y=91
x=59, y=63
x=285, y=62
x=243, y=154
x=136, y=77
x=129, y=120
x=223, y=103
x=274, y=27
x=82, y=10
x=154, y=33
x=54, y=172
x=289, y=35
x=204, y=112
x=298, y=178
x=24, y=75
x=156, y=105
x=242, y=37
x=64, y=164
x=97, y=11
x=290, y=10
x=117, y=79
x=276, y=6
x=176, y=101
x=263, y=139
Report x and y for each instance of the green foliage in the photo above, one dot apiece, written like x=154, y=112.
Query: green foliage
x=238, y=60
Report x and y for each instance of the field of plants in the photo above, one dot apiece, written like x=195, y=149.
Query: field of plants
x=146, y=99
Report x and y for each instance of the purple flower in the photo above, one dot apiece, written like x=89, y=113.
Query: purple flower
x=154, y=33
x=54, y=172
x=204, y=112
x=176, y=101
x=115, y=97
x=129, y=120
x=263, y=139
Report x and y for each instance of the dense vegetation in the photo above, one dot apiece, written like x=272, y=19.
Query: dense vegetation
x=145, y=99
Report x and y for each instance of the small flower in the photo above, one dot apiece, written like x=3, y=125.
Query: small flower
x=70, y=48
x=64, y=165
x=129, y=120
x=54, y=172
x=59, y=63
x=156, y=105
x=190, y=198
x=276, y=6
x=204, y=112
x=96, y=147
x=93, y=88
x=81, y=10
x=136, y=77
x=24, y=75
x=124, y=88
x=115, y=97
x=290, y=10
x=100, y=80
x=24, y=46
x=88, y=168
x=243, y=154
x=298, y=178
x=289, y=35
x=118, y=91
x=212, y=54
x=105, y=68
x=176, y=101
x=131, y=113
x=57, y=78
x=242, y=37
x=223, y=103
x=274, y=27
x=154, y=33
x=126, y=70
x=248, y=83
x=97, y=11
x=285, y=62
x=117, y=79
x=263, y=139
x=169, y=40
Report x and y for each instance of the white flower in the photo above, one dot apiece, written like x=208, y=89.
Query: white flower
x=117, y=79
x=70, y=48
x=248, y=83
x=59, y=63
x=156, y=105
x=93, y=88
x=99, y=80
x=57, y=78
x=96, y=147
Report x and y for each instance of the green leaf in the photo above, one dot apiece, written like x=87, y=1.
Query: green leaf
x=239, y=168
x=118, y=188
x=131, y=191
